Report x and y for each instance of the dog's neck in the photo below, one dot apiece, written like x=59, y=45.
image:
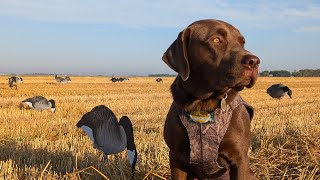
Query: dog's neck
x=184, y=98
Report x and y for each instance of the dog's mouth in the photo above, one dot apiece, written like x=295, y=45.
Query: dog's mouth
x=247, y=79
x=247, y=83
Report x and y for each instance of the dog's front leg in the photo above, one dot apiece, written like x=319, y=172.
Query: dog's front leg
x=178, y=174
x=241, y=170
x=178, y=168
x=244, y=171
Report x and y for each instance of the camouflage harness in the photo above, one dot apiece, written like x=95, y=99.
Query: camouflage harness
x=205, y=137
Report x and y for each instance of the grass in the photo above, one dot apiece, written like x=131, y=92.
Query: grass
x=45, y=145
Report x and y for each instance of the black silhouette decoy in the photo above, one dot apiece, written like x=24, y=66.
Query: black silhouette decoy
x=109, y=135
x=279, y=90
x=120, y=79
x=159, y=80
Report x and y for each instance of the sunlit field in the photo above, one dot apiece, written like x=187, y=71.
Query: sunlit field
x=45, y=145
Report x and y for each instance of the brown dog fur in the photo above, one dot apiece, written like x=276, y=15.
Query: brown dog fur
x=211, y=61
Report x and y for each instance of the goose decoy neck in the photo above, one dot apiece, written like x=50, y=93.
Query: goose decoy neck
x=287, y=90
x=132, y=157
x=127, y=126
x=289, y=93
x=52, y=105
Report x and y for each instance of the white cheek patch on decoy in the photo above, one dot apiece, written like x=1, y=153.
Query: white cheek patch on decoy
x=28, y=104
x=53, y=109
x=131, y=155
x=88, y=131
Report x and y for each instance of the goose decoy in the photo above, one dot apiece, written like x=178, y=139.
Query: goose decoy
x=12, y=81
x=159, y=80
x=109, y=135
x=120, y=79
x=279, y=90
x=66, y=79
x=39, y=103
x=57, y=79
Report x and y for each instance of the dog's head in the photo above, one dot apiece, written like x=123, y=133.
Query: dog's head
x=210, y=57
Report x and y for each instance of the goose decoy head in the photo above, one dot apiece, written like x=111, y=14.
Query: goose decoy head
x=131, y=147
x=68, y=78
x=21, y=80
x=84, y=119
x=53, y=105
x=289, y=92
x=86, y=125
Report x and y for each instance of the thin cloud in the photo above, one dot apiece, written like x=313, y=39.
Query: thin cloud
x=309, y=29
x=309, y=13
x=165, y=13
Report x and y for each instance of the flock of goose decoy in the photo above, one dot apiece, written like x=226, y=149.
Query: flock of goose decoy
x=65, y=79
x=14, y=80
x=120, y=79
x=101, y=125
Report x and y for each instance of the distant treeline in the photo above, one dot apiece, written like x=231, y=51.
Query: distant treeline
x=300, y=73
x=162, y=75
x=273, y=73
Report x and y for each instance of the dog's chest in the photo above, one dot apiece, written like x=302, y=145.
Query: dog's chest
x=205, y=138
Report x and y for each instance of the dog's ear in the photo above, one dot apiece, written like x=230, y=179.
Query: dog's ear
x=176, y=56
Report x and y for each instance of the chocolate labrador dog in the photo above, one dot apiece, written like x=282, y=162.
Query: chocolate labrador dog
x=208, y=125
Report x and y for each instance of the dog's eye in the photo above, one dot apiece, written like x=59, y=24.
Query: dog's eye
x=216, y=40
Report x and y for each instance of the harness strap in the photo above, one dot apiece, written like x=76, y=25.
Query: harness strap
x=205, y=138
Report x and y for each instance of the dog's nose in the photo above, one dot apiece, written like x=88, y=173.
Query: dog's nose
x=250, y=60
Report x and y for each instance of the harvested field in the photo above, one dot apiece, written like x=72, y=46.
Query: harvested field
x=36, y=144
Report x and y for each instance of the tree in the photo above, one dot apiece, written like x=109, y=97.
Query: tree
x=307, y=73
x=264, y=73
x=280, y=73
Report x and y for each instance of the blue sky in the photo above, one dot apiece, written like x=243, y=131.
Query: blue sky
x=129, y=37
